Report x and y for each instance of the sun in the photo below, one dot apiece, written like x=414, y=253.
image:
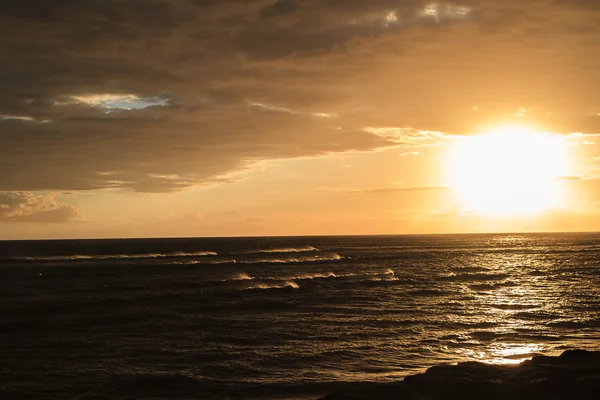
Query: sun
x=508, y=171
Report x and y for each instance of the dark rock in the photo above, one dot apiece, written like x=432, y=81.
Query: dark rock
x=574, y=375
x=395, y=391
x=578, y=356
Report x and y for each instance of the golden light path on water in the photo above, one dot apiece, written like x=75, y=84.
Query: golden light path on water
x=506, y=337
x=516, y=334
x=527, y=294
x=513, y=306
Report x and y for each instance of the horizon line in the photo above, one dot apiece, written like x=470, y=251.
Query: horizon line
x=304, y=236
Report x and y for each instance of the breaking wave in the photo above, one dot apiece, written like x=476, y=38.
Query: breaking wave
x=300, y=249
x=240, y=276
x=122, y=256
x=385, y=279
x=273, y=256
x=294, y=259
x=313, y=276
x=210, y=261
x=262, y=280
x=477, y=277
x=281, y=285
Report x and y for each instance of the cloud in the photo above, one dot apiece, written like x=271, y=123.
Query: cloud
x=173, y=94
x=279, y=8
x=30, y=207
x=392, y=190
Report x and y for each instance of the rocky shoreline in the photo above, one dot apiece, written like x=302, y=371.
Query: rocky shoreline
x=575, y=374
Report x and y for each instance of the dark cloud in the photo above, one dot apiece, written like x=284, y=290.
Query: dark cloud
x=30, y=207
x=279, y=8
x=241, y=81
x=159, y=151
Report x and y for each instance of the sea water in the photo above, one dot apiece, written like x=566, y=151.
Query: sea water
x=290, y=317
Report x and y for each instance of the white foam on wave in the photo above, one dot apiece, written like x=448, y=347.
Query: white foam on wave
x=300, y=249
x=368, y=274
x=59, y=258
x=266, y=260
x=205, y=261
x=385, y=279
x=280, y=285
x=122, y=256
x=313, y=276
x=241, y=276
x=297, y=259
x=386, y=276
x=194, y=254
x=278, y=282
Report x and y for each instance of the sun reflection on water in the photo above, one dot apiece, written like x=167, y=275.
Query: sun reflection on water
x=514, y=353
x=506, y=300
x=505, y=353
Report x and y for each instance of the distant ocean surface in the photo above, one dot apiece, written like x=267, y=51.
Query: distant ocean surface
x=295, y=317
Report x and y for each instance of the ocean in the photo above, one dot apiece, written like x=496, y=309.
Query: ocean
x=285, y=317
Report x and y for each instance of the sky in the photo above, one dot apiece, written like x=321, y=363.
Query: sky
x=170, y=118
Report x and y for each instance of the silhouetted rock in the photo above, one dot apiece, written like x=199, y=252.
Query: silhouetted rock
x=382, y=391
x=573, y=375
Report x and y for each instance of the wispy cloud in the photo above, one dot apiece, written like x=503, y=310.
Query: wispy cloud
x=392, y=190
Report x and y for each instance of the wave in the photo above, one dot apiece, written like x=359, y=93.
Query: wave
x=281, y=285
x=384, y=272
x=537, y=272
x=388, y=279
x=296, y=259
x=568, y=324
x=534, y=315
x=475, y=277
x=471, y=269
x=267, y=282
x=484, y=287
x=244, y=276
x=195, y=254
x=317, y=275
x=200, y=257
x=76, y=257
x=387, y=276
x=356, y=278
x=515, y=306
x=300, y=249
x=210, y=261
x=59, y=258
x=241, y=276
x=429, y=293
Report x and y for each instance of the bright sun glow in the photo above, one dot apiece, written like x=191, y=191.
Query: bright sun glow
x=509, y=171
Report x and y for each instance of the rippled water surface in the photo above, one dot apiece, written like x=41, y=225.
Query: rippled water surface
x=280, y=317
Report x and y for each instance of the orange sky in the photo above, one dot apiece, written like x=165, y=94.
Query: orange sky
x=265, y=117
